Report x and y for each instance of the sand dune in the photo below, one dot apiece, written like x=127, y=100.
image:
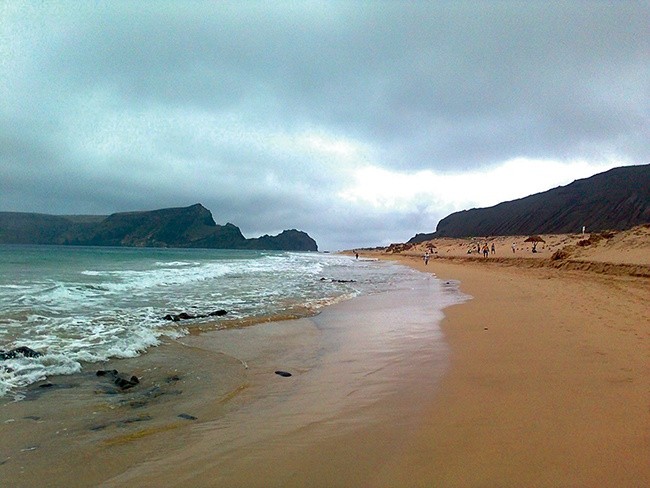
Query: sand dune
x=630, y=247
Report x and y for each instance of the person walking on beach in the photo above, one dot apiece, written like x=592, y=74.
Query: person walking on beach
x=486, y=251
x=493, y=250
x=426, y=258
x=513, y=248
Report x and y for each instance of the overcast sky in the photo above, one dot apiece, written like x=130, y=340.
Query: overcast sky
x=361, y=123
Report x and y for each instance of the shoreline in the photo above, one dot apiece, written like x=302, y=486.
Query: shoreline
x=344, y=362
x=329, y=425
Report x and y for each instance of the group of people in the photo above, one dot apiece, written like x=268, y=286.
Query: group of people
x=483, y=249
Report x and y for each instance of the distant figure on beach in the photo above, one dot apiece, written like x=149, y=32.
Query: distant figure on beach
x=493, y=250
x=486, y=251
x=513, y=248
x=478, y=248
x=426, y=258
x=356, y=255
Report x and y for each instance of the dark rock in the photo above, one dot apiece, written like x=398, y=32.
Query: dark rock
x=180, y=316
x=103, y=372
x=119, y=380
x=19, y=351
x=218, y=313
x=284, y=374
x=173, y=378
x=47, y=385
x=338, y=281
x=125, y=383
x=187, y=416
x=32, y=417
x=187, y=316
x=139, y=418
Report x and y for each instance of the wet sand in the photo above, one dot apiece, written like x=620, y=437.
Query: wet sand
x=251, y=426
x=327, y=425
x=79, y=429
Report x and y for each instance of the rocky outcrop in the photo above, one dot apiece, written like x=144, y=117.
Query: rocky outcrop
x=23, y=351
x=187, y=316
x=288, y=240
x=119, y=380
x=184, y=227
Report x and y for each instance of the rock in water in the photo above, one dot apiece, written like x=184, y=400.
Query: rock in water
x=284, y=374
x=187, y=316
x=218, y=313
x=20, y=351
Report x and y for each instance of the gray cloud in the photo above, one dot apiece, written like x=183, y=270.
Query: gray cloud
x=118, y=106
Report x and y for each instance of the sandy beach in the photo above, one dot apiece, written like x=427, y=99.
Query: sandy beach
x=549, y=385
x=550, y=377
x=541, y=379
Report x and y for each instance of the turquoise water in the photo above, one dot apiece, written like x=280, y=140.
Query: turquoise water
x=88, y=304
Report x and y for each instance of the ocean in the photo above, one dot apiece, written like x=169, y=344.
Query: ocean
x=84, y=305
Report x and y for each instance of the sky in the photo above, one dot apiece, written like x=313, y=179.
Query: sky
x=359, y=122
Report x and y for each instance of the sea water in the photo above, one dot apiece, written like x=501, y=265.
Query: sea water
x=79, y=305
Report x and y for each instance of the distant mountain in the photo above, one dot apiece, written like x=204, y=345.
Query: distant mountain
x=171, y=227
x=617, y=199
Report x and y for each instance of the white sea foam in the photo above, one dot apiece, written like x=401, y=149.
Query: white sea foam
x=174, y=264
x=87, y=305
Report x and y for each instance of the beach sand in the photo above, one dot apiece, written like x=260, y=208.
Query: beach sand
x=549, y=383
x=542, y=379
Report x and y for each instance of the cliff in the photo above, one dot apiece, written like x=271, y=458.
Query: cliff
x=171, y=227
x=617, y=199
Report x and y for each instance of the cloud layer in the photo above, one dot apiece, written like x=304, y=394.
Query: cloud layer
x=361, y=123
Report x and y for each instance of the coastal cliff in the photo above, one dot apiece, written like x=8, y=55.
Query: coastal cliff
x=617, y=199
x=184, y=227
